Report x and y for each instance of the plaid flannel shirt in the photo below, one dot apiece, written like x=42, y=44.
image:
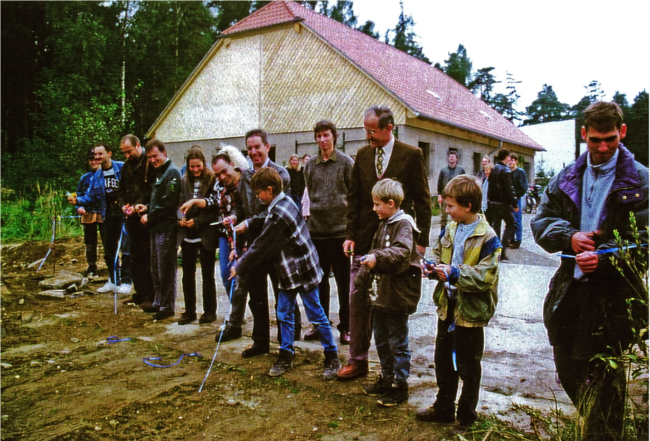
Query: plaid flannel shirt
x=284, y=240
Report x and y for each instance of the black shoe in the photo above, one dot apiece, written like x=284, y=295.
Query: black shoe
x=331, y=366
x=229, y=333
x=433, y=415
x=378, y=388
x=282, y=364
x=396, y=394
x=312, y=334
x=255, y=350
x=208, y=317
x=162, y=315
x=187, y=318
x=514, y=245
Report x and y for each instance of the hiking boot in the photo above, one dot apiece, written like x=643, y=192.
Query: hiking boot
x=207, y=317
x=351, y=371
x=187, y=318
x=332, y=365
x=282, y=364
x=396, y=394
x=108, y=287
x=255, y=350
x=229, y=333
x=378, y=388
x=433, y=415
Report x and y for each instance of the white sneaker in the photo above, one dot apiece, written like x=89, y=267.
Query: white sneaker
x=108, y=287
x=124, y=288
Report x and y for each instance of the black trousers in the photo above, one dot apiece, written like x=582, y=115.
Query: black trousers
x=468, y=344
x=597, y=391
x=330, y=254
x=190, y=253
x=141, y=259
x=503, y=212
x=90, y=240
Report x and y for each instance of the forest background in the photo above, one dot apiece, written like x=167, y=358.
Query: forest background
x=77, y=73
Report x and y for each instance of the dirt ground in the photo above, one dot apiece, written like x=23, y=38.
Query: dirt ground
x=61, y=380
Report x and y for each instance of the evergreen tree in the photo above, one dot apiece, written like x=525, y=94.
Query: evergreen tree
x=483, y=83
x=637, y=128
x=459, y=66
x=368, y=28
x=230, y=12
x=546, y=108
x=505, y=103
x=404, y=38
x=343, y=13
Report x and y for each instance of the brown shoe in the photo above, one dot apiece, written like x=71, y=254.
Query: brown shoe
x=351, y=371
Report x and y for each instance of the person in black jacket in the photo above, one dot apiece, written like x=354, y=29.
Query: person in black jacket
x=297, y=176
x=501, y=200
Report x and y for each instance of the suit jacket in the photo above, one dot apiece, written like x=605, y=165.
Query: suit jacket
x=406, y=164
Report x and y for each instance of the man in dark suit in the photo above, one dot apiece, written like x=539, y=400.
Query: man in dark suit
x=385, y=157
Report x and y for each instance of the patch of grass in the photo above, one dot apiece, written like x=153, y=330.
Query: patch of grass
x=287, y=384
x=333, y=424
x=67, y=322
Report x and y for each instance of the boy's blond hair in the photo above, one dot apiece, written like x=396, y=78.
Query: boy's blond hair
x=388, y=189
x=466, y=190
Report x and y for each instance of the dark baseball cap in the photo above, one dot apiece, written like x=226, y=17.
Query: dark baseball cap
x=91, y=153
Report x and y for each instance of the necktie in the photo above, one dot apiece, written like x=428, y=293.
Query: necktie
x=380, y=161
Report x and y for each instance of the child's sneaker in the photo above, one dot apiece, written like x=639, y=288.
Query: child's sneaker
x=332, y=365
x=283, y=364
x=396, y=394
x=379, y=388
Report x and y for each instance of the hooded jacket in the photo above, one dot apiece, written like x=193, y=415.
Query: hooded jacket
x=395, y=282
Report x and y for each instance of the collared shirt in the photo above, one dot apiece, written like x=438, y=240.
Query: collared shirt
x=388, y=149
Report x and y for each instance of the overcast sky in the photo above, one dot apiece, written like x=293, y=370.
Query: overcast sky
x=563, y=43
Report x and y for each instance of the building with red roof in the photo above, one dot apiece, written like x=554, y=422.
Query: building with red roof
x=285, y=67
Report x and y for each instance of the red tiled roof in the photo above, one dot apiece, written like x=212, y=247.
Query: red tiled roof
x=421, y=87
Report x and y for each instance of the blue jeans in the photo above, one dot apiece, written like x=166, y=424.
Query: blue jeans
x=392, y=341
x=519, y=226
x=315, y=314
x=225, y=265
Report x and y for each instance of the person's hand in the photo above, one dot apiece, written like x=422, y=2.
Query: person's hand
x=516, y=209
x=72, y=200
x=189, y=223
x=144, y=219
x=421, y=250
x=200, y=203
x=439, y=199
x=233, y=272
x=587, y=261
x=440, y=271
x=427, y=268
x=241, y=228
x=232, y=256
x=348, y=247
x=81, y=210
x=141, y=208
x=369, y=260
x=229, y=220
x=583, y=241
x=182, y=223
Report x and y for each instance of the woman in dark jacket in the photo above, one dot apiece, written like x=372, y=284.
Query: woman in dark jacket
x=198, y=236
x=297, y=179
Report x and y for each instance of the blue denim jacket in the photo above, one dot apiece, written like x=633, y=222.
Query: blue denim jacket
x=95, y=194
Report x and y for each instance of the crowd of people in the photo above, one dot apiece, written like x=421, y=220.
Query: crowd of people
x=367, y=221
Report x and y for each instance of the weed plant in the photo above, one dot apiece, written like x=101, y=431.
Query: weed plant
x=30, y=217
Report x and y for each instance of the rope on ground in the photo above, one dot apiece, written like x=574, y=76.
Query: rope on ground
x=225, y=318
x=115, y=339
x=51, y=243
x=147, y=359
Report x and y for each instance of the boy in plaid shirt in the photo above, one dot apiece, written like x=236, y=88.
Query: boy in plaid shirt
x=286, y=242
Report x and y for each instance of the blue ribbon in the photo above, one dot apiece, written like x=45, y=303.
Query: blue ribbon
x=51, y=244
x=115, y=339
x=146, y=360
x=225, y=319
x=117, y=254
x=608, y=250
